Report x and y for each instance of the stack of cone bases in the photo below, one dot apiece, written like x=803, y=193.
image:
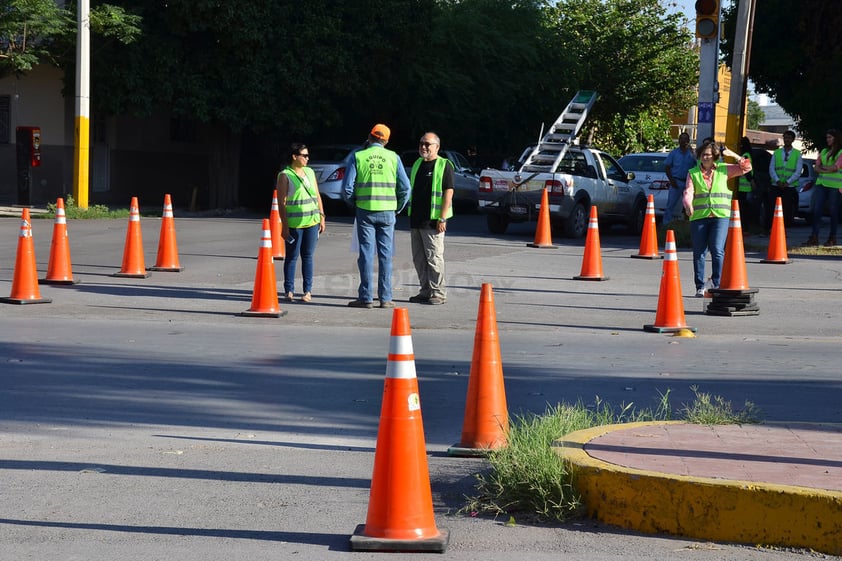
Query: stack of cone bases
x=167, y=247
x=400, y=508
x=777, y=239
x=133, y=264
x=649, y=236
x=264, y=299
x=670, y=315
x=543, y=236
x=486, y=421
x=592, y=260
x=25, y=281
x=733, y=297
x=278, y=246
x=59, y=269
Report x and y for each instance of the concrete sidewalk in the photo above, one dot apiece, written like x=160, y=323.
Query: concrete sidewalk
x=773, y=484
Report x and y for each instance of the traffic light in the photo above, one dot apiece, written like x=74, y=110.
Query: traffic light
x=707, y=18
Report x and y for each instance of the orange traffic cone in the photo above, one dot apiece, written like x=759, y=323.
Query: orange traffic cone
x=649, y=236
x=486, y=422
x=264, y=299
x=670, y=315
x=25, y=281
x=133, y=264
x=278, y=245
x=400, y=507
x=167, y=247
x=592, y=260
x=59, y=270
x=734, y=267
x=543, y=237
x=777, y=240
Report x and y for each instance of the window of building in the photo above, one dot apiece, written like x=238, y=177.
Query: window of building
x=5, y=119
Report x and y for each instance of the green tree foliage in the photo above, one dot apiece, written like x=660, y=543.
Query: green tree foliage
x=42, y=32
x=754, y=115
x=796, y=57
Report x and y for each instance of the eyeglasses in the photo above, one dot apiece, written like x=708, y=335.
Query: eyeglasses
x=427, y=144
x=304, y=155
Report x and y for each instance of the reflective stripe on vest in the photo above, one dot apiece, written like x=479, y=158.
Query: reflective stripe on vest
x=438, y=193
x=717, y=201
x=301, y=205
x=831, y=180
x=377, y=179
x=784, y=170
x=743, y=183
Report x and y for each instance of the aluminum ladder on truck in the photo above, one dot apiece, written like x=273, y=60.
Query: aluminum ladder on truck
x=550, y=151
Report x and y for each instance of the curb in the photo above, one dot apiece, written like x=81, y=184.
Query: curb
x=702, y=508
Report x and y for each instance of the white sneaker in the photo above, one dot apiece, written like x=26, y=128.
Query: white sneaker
x=700, y=292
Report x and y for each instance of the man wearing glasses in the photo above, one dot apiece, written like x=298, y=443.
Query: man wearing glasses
x=429, y=208
x=378, y=188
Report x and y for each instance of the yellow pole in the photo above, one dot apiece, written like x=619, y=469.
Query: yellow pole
x=81, y=152
x=736, y=123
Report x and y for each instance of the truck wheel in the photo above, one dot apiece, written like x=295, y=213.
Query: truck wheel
x=637, y=218
x=577, y=223
x=497, y=224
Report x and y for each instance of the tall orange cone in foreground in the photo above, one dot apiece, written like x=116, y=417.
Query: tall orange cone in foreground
x=486, y=422
x=592, y=260
x=278, y=245
x=264, y=299
x=649, y=236
x=25, y=281
x=777, y=240
x=670, y=315
x=543, y=236
x=167, y=247
x=59, y=269
x=400, y=508
x=734, y=275
x=133, y=264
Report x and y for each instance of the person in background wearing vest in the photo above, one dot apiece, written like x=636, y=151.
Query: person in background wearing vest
x=676, y=166
x=302, y=219
x=378, y=188
x=429, y=208
x=784, y=171
x=745, y=185
x=707, y=201
x=829, y=167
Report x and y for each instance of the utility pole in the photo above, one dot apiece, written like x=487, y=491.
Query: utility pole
x=736, y=124
x=81, y=152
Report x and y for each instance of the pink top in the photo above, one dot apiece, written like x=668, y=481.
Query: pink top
x=742, y=166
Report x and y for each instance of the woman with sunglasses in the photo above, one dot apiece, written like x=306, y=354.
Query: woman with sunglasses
x=302, y=218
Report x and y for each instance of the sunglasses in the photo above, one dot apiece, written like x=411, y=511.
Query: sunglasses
x=304, y=155
x=426, y=144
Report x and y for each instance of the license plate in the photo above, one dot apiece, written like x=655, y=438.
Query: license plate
x=517, y=210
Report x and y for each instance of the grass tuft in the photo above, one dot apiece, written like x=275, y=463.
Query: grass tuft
x=92, y=212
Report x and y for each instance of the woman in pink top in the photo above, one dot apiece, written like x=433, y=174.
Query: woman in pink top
x=707, y=201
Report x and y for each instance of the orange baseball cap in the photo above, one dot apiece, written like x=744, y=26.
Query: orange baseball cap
x=381, y=131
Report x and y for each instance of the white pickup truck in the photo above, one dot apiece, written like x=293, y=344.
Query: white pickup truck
x=582, y=178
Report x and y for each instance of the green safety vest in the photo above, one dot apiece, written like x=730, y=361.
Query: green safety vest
x=716, y=202
x=786, y=169
x=301, y=205
x=744, y=184
x=830, y=180
x=438, y=194
x=377, y=179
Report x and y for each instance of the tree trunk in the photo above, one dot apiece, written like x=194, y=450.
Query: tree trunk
x=223, y=167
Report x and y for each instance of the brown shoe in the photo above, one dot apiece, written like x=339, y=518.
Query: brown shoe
x=812, y=241
x=831, y=242
x=387, y=304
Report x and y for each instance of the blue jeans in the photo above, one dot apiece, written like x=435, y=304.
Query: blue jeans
x=820, y=195
x=375, y=229
x=674, y=195
x=304, y=241
x=708, y=234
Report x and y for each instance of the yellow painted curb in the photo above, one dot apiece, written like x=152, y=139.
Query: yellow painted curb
x=700, y=507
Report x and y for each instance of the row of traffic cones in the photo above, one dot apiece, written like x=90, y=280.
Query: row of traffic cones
x=400, y=509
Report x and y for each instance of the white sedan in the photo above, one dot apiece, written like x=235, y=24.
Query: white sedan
x=649, y=175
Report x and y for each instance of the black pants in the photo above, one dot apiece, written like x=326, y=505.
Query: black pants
x=789, y=200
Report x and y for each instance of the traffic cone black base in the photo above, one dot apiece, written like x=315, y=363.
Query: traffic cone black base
x=9, y=300
x=436, y=544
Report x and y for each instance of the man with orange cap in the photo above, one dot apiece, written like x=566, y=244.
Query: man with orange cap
x=378, y=188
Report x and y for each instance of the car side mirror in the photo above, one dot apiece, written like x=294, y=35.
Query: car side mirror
x=630, y=175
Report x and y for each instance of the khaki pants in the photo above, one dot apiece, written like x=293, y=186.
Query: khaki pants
x=428, y=257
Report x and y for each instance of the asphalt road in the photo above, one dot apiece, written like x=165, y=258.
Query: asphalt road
x=145, y=419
